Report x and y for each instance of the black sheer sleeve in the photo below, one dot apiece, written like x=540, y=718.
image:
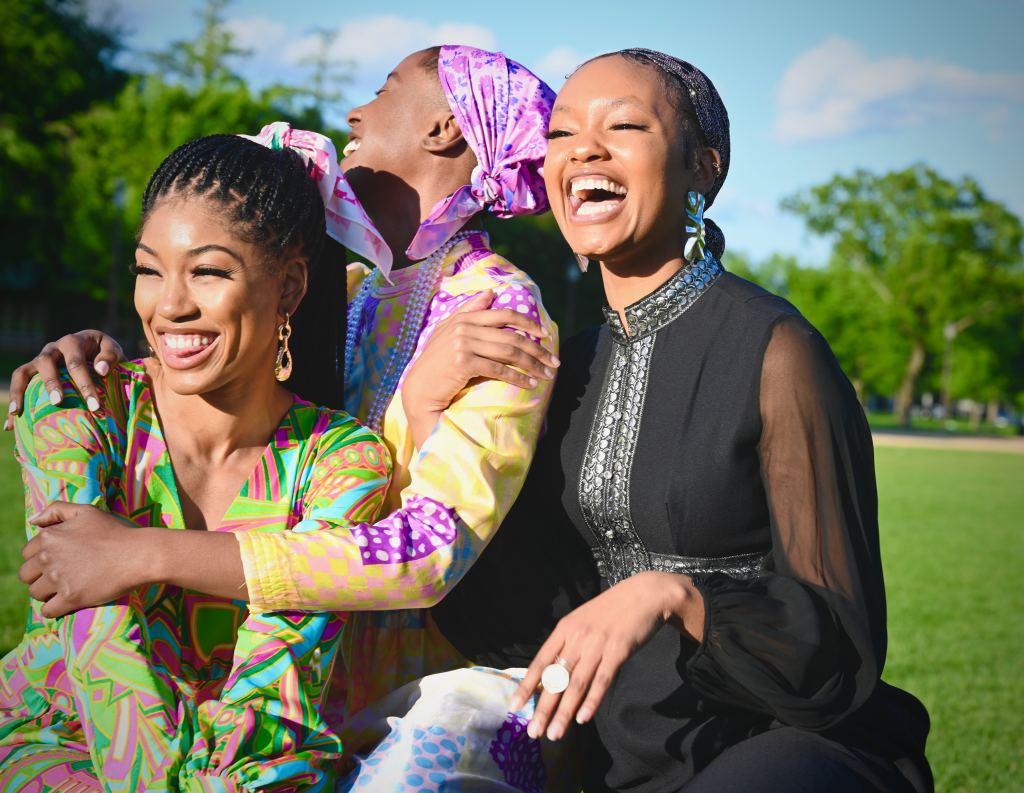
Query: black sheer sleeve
x=805, y=642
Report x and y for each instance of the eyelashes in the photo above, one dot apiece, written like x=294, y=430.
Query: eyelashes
x=212, y=272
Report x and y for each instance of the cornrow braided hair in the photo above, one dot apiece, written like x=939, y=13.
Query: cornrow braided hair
x=271, y=200
x=269, y=196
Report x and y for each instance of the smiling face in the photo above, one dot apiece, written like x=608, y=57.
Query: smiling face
x=388, y=133
x=616, y=170
x=209, y=302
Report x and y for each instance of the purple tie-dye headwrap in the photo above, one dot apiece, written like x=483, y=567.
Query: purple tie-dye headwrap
x=502, y=109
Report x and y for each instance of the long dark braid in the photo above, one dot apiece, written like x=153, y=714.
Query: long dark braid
x=271, y=201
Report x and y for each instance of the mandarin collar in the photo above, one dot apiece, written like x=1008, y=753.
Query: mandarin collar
x=666, y=303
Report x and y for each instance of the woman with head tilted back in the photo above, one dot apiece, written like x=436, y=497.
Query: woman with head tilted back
x=708, y=462
x=164, y=688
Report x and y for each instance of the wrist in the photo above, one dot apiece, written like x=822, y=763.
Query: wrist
x=148, y=557
x=681, y=603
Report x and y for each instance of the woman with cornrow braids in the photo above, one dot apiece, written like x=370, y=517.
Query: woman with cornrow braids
x=164, y=688
x=453, y=131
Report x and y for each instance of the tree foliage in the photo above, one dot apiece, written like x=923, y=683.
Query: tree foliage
x=55, y=62
x=920, y=254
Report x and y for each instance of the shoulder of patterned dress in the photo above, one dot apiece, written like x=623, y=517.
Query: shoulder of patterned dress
x=330, y=426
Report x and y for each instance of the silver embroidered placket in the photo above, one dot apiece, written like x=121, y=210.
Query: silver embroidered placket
x=604, y=487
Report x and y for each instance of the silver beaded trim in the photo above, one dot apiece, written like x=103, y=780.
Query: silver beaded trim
x=665, y=303
x=742, y=566
x=607, y=464
x=608, y=461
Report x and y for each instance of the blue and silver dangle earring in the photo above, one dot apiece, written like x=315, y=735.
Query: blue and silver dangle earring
x=694, y=248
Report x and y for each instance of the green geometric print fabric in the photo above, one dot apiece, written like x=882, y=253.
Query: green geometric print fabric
x=167, y=689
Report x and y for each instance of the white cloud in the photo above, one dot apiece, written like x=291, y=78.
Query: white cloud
x=836, y=89
x=256, y=33
x=382, y=41
x=557, y=64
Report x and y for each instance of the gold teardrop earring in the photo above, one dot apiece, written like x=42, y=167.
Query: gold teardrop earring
x=283, y=364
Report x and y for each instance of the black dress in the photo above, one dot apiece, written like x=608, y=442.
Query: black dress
x=718, y=438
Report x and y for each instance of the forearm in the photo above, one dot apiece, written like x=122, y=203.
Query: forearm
x=203, y=561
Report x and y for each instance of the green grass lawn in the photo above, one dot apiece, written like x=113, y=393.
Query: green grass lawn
x=952, y=526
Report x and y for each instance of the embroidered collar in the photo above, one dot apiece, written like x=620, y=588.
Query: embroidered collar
x=666, y=303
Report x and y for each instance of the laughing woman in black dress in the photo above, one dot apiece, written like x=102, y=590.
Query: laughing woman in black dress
x=708, y=465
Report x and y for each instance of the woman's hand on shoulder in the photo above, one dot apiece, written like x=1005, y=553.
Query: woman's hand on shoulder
x=81, y=557
x=476, y=341
x=75, y=351
x=595, y=640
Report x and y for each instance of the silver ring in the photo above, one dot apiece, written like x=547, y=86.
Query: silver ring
x=555, y=677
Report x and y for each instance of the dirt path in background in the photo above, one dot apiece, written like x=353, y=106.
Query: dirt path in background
x=967, y=443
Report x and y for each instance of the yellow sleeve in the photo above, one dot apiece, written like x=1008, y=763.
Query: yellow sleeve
x=460, y=487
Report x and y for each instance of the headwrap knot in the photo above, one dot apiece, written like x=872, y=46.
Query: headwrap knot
x=346, y=220
x=502, y=110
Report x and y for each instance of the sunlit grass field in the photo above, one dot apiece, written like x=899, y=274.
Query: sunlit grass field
x=953, y=543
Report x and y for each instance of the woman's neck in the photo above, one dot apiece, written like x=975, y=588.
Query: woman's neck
x=211, y=427
x=409, y=204
x=626, y=282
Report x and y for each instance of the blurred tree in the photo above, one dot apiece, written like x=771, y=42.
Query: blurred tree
x=329, y=73
x=930, y=251
x=55, y=62
x=208, y=59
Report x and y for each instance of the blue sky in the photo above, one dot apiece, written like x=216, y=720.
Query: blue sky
x=812, y=88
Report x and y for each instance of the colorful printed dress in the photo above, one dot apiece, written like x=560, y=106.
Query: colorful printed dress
x=445, y=502
x=168, y=689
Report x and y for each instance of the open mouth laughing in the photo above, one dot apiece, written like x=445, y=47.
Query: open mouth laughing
x=595, y=198
x=351, y=147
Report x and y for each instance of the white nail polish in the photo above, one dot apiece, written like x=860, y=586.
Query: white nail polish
x=102, y=367
x=93, y=404
x=56, y=397
x=12, y=408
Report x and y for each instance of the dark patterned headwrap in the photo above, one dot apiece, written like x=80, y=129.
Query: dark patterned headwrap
x=712, y=119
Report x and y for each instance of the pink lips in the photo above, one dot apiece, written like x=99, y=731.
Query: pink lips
x=177, y=355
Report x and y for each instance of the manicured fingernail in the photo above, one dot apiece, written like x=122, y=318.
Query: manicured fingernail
x=549, y=372
x=12, y=408
x=583, y=716
x=102, y=367
x=555, y=361
x=554, y=733
x=531, y=730
x=93, y=404
x=8, y=424
x=56, y=397
x=532, y=381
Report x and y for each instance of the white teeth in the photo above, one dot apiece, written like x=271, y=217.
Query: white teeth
x=596, y=208
x=182, y=341
x=351, y=146
x=583, y=183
